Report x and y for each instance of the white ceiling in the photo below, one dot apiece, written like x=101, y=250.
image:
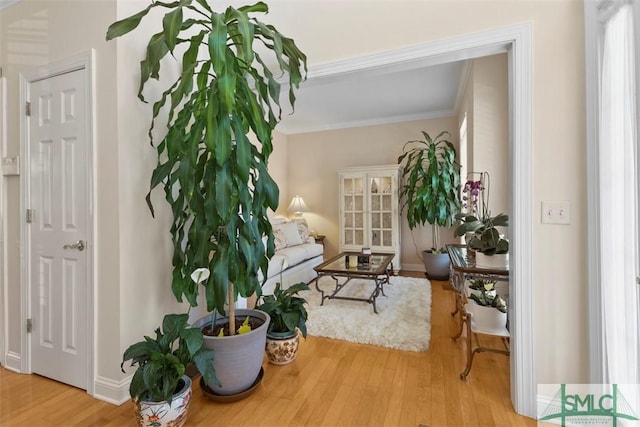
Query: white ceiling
x=374, y=96
x=383, y=94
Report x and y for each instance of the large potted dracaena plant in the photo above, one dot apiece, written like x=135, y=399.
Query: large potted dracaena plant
x=212, y=161
x=430, y=193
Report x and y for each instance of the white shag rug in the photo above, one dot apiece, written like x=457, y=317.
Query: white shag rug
x=403, y=321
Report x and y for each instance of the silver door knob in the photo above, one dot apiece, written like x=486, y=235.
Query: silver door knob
x=79, y=245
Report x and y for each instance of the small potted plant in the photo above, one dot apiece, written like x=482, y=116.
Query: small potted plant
x=288, y=315
x=491, y=248
x=430, y=193
x=487, y=309
x=159, y=388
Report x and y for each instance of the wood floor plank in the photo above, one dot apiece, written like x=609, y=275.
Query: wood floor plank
x=331, y=383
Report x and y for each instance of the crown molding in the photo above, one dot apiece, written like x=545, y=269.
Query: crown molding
x=7, y=3
x=294, y=130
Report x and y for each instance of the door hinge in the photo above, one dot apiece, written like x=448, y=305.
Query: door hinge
x=29, y=216
x=29, y=325
x=27, y=109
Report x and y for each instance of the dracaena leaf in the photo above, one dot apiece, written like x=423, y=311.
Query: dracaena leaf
x=172, y=24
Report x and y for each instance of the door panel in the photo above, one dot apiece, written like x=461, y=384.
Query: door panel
x=59, y=201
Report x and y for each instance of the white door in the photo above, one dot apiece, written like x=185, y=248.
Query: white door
x=59, y=189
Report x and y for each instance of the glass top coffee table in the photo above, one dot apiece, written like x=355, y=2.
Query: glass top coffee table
x=377, y=270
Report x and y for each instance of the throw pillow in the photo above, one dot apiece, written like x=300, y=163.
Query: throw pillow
x=303, y=230
x=277, y=219
x=279, y=239
x=290, y=231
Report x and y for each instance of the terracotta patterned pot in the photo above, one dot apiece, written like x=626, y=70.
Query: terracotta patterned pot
x=161, y=414
x=281, y=348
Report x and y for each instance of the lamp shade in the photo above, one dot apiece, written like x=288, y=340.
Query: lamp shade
x=298, y=206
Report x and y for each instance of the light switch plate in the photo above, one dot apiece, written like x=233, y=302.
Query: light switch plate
x=10, y=166
x=556, y=212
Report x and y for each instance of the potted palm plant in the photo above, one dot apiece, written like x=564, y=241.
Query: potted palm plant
x=288, y=315
x=430, y=193
x=159, y=388
x=213, y=159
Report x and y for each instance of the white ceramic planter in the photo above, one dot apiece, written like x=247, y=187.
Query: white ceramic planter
x=161, y=414
x=281, y=349
x=238, y=358
x=487, y=319
x=499, y=261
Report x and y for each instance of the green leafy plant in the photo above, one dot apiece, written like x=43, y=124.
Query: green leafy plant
x=478, y=221
x=486, y=295
x=286, y=309
x=486, y=237
x=162, y=360
x=430, y=189
x=214, y=176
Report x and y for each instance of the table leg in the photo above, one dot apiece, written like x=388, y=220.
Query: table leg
x=462, y=323
x=470, y=354
x=320, y=290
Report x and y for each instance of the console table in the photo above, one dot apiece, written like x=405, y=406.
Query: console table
x=463, y=267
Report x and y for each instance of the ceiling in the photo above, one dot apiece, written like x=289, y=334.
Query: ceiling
x=373, y=96
x=383, y=94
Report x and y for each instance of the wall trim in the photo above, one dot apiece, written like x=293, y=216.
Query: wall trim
x=295, y=130
x=596, y=345
x=111, y=391
x=13, y=362
x=4, y=277
x=413, y=267
x=523, y=364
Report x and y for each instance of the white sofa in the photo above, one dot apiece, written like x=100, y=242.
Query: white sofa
x=295, y=256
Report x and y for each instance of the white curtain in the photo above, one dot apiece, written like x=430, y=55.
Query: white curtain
x=619, y=198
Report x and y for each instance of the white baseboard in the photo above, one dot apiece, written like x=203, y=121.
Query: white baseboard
x=110, y=391
x=413, y=267
x=13, y=362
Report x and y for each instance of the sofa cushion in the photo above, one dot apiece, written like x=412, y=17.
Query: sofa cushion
x=313, y=249
x=294, y=254
x=277, y=263
x=291, y=234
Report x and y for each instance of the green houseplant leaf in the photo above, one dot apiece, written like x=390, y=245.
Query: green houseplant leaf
x=286, y=309
x=430, y=188
x=485, y=236
x=162, y=360
x=216, y=178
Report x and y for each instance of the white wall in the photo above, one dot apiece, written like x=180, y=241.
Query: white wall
x=315, y=159
x=33, y=34
x=558, y=163
x=490, y=129
x=132, y=287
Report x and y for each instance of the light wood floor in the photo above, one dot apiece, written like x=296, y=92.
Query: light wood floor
x=331, y=383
